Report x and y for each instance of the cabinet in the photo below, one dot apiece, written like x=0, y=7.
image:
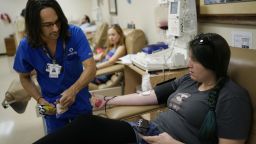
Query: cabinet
x=10, y=45
x=133, y=76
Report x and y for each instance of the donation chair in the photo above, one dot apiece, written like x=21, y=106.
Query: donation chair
x=17, y=97
x=242, y=69
x=135, y=40
x=100, y=37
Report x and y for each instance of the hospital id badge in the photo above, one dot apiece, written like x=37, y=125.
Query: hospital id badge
x=54, y=70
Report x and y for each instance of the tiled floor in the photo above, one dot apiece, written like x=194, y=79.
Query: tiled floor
x=16, y=128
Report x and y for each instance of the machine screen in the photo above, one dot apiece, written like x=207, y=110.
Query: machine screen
x=174, y=8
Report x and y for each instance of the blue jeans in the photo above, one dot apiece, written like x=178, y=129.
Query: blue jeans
x=153, y=130
x=101, y=79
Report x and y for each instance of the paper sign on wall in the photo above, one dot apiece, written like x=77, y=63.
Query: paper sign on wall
x=242, y=39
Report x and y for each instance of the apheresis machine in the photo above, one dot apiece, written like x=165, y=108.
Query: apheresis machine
x=182, y=27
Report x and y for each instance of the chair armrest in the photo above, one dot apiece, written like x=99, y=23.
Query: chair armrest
x=110, y=69
x=126, y=112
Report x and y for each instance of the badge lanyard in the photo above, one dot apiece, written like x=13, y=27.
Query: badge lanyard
x=53, y=68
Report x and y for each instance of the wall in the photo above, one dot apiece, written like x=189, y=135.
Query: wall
x=144, y=14
x=74, y=10
x=13, y=9
x=226, y=30
x=140, y=12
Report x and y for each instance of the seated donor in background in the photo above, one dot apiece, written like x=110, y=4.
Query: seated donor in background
x=204, y=106
x=57, y=52
x=115, y=49
x=85, y=22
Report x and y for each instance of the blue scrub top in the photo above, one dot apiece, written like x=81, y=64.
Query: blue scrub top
x=70, y=56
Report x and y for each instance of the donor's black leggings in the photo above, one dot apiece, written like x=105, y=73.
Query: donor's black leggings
x=90, y=129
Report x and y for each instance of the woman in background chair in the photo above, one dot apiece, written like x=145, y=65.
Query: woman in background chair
x=85, y=22
x=115, y=49
x=204, y=106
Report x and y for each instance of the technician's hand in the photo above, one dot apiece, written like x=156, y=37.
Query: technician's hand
x=42, y=101
x=163, y=138
x=67, y=98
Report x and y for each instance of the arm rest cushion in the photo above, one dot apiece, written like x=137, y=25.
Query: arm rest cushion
x=110, y=70
x=121, y=112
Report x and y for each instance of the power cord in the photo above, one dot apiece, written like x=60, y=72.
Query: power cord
x=166, y=59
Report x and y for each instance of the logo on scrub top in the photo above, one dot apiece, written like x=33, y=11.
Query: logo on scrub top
x=71, y=52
